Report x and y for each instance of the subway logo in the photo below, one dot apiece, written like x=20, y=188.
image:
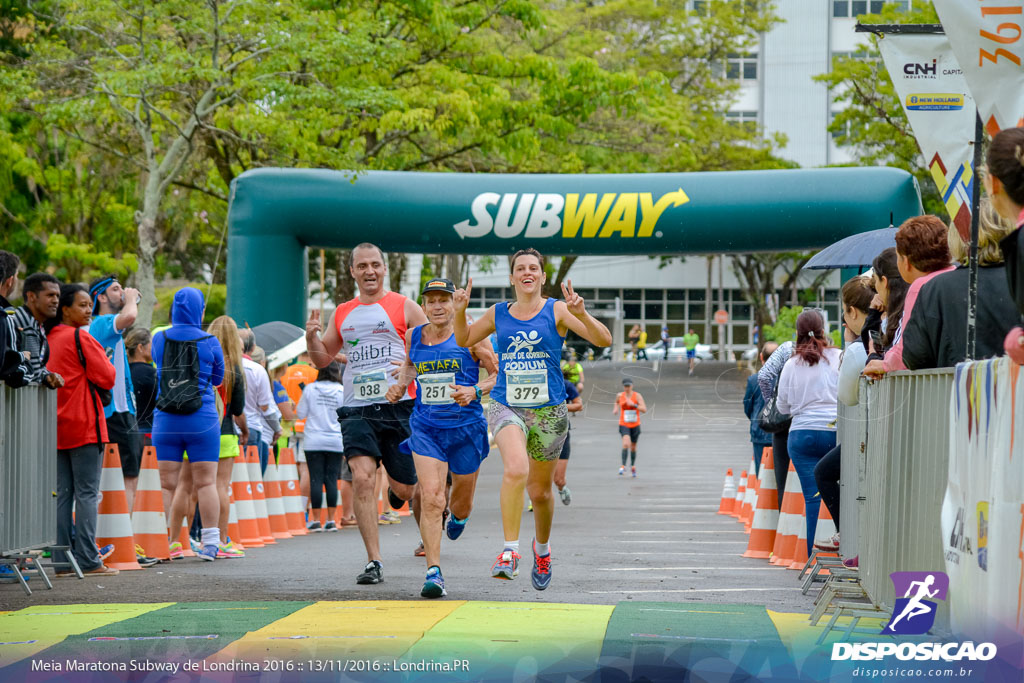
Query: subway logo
x=626, y=214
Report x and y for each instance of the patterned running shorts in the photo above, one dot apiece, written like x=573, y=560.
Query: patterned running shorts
x=545, y=428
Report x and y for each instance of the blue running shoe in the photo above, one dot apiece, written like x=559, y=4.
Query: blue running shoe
x=456, y=527
x=106, y=551
x=506, y=566
x=541, y=574
x=433, y=587
x=208, y=553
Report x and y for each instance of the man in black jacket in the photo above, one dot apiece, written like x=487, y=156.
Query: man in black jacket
x=936, y=335
x=13, y=367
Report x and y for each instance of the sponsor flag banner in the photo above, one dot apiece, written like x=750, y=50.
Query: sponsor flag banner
x=983, y=509
x=986, y=37
x=934, y=95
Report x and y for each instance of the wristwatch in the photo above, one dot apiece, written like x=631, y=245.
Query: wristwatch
x=477, y=390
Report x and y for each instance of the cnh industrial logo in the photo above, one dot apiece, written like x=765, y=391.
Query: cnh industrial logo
x=914, y=615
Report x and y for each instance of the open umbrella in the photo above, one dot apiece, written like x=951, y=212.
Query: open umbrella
x=855, y=251
x=280, y=340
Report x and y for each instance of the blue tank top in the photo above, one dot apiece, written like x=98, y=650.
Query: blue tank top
x=526, y=347
x=442, y=361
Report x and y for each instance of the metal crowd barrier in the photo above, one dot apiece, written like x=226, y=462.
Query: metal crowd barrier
x=28, y=468
x=893, y=485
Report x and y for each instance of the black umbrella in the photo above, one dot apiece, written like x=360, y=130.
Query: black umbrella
x=855, y=251
x=276, y=335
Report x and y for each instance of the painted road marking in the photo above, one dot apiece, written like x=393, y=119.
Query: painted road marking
x=646, y=542
x=697, y=638
x=678, y=531
x=694, y=590
x=673, y=569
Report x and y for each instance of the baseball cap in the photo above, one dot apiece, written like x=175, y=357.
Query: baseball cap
x=439, y=285
x=627, y=382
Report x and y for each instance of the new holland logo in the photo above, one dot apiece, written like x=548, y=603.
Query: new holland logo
x=627, y=214
x=935, y=102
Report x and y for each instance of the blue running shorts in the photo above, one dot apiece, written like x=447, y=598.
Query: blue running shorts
x=463, y=448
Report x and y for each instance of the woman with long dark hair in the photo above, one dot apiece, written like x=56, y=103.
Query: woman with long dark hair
x=1004, y=183
x=528, y=416
x=81, y=427
x=808, y=391
x=891, y=292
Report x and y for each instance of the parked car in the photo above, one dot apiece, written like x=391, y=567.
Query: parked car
x=677, y=351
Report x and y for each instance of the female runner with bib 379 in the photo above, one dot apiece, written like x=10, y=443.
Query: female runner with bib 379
x=528, y=415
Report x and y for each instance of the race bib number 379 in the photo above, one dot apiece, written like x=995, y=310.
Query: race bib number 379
x=526, y=387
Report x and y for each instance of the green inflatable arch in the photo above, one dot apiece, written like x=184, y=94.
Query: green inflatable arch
x=275, y=214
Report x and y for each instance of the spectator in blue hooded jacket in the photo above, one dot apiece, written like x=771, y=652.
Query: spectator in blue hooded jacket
x=197, y=432
x=753, y=404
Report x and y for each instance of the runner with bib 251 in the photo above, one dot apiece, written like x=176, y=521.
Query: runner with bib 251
x=528, y=414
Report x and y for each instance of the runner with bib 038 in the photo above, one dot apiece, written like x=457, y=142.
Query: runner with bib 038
x=528, y=414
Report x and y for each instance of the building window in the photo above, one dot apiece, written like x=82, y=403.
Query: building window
x=859, y=7
x=652, y=311
x=631, y=295
x=676, y=312
x=743, y=119
x=840, y=8
x=855, y=8
x=842, y=132
x=607, y=294
x=741, y=67
x=701, y=7
x=631, y=311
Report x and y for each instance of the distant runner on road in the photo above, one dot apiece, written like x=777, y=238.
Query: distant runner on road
x=628, y=406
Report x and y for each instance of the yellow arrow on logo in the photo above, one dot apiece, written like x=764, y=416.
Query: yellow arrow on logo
x=652, y=211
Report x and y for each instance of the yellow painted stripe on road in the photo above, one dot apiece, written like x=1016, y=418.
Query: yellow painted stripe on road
x=333, y=630
x=540, y=636
x=48, y=625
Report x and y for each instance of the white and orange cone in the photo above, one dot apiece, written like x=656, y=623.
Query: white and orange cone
x=275, y=505
x=241, y=490
x=728, y=503
x=766, y=517
x=741, y=495
x=259, y=500
x=750, y=500
x=148, y=519
x=791, y=521
x=114, y=522
x=288, y=475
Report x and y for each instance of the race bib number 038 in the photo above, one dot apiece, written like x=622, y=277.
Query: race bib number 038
x=435, y=389
x=370, y=386
x=526, y=387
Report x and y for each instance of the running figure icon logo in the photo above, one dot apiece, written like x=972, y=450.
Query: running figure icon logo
x=914, y=613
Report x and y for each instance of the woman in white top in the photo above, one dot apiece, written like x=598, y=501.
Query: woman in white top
x=319, y=408
x=807, y=391
x=857, y=295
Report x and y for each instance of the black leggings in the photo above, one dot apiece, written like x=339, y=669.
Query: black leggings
x=780, y=454
x=826, y=474
x=324, y=471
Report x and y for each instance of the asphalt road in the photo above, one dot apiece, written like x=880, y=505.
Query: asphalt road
x=653, y=538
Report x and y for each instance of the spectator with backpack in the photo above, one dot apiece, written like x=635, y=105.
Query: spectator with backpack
x=190, y=364
x=81, y=427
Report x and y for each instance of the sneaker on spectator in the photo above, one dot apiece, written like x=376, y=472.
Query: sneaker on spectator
x=208, y=553
x=102, y=570
x=7, y=574
x=106, y=551
x=314, y=527
x=420, y=551
x=196, y=545
x=176, y=551
x=830, y=544
x=140, y=557
x=852, y=562
x=330, y=526
x=228, y=551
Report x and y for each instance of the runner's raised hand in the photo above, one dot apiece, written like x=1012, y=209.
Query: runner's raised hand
x=313, y=324
x=573, y=301
x=461, y=297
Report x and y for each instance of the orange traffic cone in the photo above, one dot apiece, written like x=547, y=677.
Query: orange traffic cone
x=148, y=519
x=259, y=499
x=728, y=503
x=750, y=500
x=241, y=490
x=114, y=522
x=183, y=539
x=766, y=517
x=275, y=506
x=234, y=532
x=288, y=474
x=791, y=521
x=741, y=495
